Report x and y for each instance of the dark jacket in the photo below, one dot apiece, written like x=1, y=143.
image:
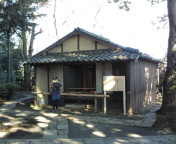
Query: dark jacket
x=55, y=87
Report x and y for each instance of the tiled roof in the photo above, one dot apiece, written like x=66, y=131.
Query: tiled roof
x=84, y=56
x=94, y=36
x=148, y=57
x=114, y=52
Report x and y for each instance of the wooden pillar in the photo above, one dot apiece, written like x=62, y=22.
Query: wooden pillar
x=62, y=48
x=61, y=76
x=96, y=45
x=95, y=100
x=35, y=78
x=99, y=78
x=78, y=42
x=108, y=69
x=105, y=107
x=48, y=81
x=124, y=102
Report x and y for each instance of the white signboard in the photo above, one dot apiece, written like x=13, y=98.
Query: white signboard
x=114, y=83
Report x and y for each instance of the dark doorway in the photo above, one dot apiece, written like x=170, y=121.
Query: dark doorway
x=90, y=77
x=73, y=76
x=79, y=76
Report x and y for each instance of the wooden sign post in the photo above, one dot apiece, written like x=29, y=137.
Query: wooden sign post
x=115, y=83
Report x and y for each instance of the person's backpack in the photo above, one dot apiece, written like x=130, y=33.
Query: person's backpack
x=56, y=88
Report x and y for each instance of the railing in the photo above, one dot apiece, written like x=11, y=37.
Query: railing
x=113, y=103
x=93, y=96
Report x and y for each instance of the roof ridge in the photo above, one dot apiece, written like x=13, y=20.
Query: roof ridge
x=106, y=39
x=91, y=33
x=78, y=30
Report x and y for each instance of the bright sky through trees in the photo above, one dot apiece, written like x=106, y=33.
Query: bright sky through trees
x=137, y=28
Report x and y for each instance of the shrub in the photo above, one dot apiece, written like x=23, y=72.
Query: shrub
x=7, y=90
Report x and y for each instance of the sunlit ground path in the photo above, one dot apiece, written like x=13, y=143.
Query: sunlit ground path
x=25, y=124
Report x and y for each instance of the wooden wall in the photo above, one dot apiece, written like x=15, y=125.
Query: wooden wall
x=41, y=85
x=78, y=43
x=44, y=76
x=41, y=79
x=56, y=70
x=56, y=49
x=142, y=81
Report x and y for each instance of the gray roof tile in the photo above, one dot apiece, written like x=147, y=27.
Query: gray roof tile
x=114, y=53
x=85, y=56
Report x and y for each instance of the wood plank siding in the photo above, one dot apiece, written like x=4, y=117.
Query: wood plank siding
x=142, y=84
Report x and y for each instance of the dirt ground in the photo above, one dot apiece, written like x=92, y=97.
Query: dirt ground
x=96, y=130
x=22, y=122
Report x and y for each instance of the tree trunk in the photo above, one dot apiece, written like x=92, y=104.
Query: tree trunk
x=24, y=44
x=33, y=35
x=32, y=41
x=27, y=69
x=169, y=84
x=8, y=53
x=27, y=76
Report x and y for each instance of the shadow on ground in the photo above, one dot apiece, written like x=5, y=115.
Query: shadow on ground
x=20, y=122
x=24, y=122
x=81, y=129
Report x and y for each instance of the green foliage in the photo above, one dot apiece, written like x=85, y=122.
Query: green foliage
x=162, y=71
x=18, y=14
x=3, y=77
x=8, y=17
x=16, y=60
x=16, y=18
x=7, y=90
x=173, y=84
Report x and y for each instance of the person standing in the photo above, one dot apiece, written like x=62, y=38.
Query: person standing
x=55, y=87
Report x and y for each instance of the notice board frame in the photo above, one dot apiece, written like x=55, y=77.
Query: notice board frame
x=115, y=83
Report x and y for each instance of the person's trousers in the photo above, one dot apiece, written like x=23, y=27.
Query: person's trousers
x=55, y=104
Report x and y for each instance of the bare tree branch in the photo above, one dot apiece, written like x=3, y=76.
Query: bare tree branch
x=54, y=17
x=33, y=35
x=161, y=22
x=156, y=1
x=97, y=15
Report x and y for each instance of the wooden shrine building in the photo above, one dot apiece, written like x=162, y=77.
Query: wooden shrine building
x=81, y=59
